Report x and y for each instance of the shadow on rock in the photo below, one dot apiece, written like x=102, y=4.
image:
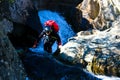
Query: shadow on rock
x=41, y=67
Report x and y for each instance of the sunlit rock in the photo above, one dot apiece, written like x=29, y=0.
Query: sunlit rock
x=100, y=13
x=100, y=50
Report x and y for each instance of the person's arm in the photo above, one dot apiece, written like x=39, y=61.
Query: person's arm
x=39, y=37
x=59, y=41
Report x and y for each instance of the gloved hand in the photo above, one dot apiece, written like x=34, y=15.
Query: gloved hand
x=56, y=53
x=60, y=46
x=34, y=46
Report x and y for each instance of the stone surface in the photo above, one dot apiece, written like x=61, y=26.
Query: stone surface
x=11, y=67
x=100, y=13
x=99, y=49
x=24, y=12
x=46, y=67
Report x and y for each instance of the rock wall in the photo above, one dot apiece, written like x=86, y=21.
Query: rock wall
x=95, y=50
x=65, y=8
x=20, y=11
x=24, y=12
x=11, y=67
x=100, y=13
x=26, y=23
x=98, y=52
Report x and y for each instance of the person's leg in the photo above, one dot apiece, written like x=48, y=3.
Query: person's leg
x=48, y=47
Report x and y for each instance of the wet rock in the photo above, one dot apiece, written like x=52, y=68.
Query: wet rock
x=47, y=67
x=98, y=53
x=100, y=13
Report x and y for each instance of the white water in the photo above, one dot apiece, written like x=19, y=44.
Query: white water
x=107, y=78
x=65, y=33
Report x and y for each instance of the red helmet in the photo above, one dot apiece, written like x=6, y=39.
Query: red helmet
x=52, y=24
x=49, y=23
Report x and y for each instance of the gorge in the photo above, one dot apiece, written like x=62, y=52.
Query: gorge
x=96, y=45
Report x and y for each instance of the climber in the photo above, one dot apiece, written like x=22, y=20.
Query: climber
x=49, y=35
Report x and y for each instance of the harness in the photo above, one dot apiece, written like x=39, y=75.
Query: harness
x=49, y=39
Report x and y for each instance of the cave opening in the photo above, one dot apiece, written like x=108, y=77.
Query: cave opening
x=22, y=36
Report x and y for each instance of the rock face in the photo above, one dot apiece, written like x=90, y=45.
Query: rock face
x=10, y=65
x=22, y=35
x=26, y=23
x=98, y=51
x=101, y=50
x=42, y=67
x=21, y=13
x=24, y=12
x=100, y=13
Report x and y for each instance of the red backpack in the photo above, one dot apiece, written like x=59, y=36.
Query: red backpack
x=54, y=26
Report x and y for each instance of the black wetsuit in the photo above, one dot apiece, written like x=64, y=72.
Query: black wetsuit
x=49, y=40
